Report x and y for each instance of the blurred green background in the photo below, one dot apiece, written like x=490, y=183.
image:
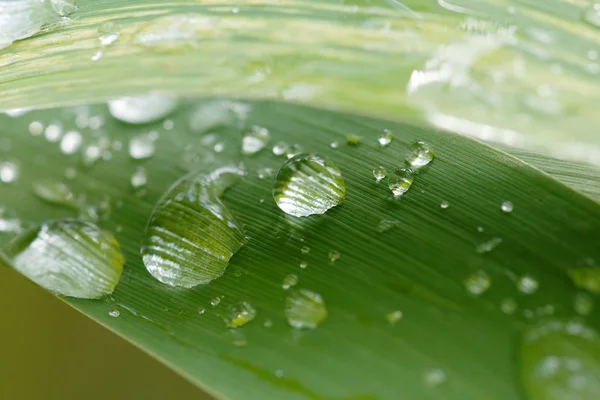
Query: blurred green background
x=50, y=351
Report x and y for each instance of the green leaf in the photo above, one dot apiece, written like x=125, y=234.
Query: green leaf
x=403, y=318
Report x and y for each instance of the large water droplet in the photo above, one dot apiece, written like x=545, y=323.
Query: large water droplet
x=68, y=257
x=420, y=155
x=255, y=140
x=305, y=309
x=400, y=182
x=560, y=361
x=191, y=234
x=240, y=314
x=142, y=109
x=308, y=184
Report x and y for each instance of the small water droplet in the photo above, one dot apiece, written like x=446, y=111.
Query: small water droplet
x=305, y=250
x=176, y=33
x=387, y=224
x=240, y=314
x=587, y=278
x=71, y=142
x=281, y=148
x=478, y=283
x=168, y=124
x=308, y=184
x=559, y=361
x=69, y=257
x=379, y=173
x=191, y=234
x=9, y=172
x=508, y=305
x=108, y=33
x=255, y=140
x=444, y=205
x=334, y=145
x=353, y=140
x=114, y=313
x=400, y=182
x=268, y=323
x=489, y=246
x=142, y=109
x=53, y=133
x=583, y=304
x=303, y=264
x=142, y=146
x=334, y=255
x=55, y=193
x=480, y=229
x=420, y=155
x=507, y=207
x=264, y=173
x=36, y=128
x=305, y=309
x=97, y=55
x=201, y=310
x=592, y=15
x=394, y=316
x=215, y=115
x=386, y=138
x=527, y=284
x=294, y=150
x=215, y=301
x=289, y=281
x=238, y=339
x=279, y=373
x=139, y=178
x=435, y=377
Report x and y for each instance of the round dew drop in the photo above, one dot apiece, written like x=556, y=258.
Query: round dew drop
x=191, y=234
x=305, y=309
x=68, y=257
x=255, y=140
x=308, y=184
x=420, y=155
x=240, y=314
x=379, y=173
x=142, y=109
x=507, y=207
x=400, y=182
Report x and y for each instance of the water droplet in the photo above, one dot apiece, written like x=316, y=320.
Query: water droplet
x=240, y=314
x=9, y=223
x=168, y=124
x=586, y=278
x=281, y=148
x=592, y=15
x=489, y=246
x=305, y=309
x=294, y=150
x=36, y=128
x=53, y=133
x=174, y=34
x=108, y=33
x=435, y=377
x=218, y=114
x=478, y=283
x=334, y=145
x=238, y=339
x=71, y=142
x=139, y=178
x=114, y=313
x=268, y=323
x=420, y=155
x=142, y=146
x=97, y=55
x=394, y=316
x=215, y=301
x=334, y=255
x=560, y=361
x=379, y=173
x=480, y=229
x=289, y=281
x=528, y=284
x=142, y=109
x=508, y=306
x=308, y=184
x=9, y=172
x=264, y=173
x=400, y=182
x=507, y=207
x=386, y=138
x=444, y=205
x=303, y=264
x=305, y=250
x=191, y=234
x=255, y=140
x=69, y=257
x=55, y=193
x=387, y=224
x=279, y=373
x=17, y=112
x=353, y=140
x=201, y=310
x=583, y=304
